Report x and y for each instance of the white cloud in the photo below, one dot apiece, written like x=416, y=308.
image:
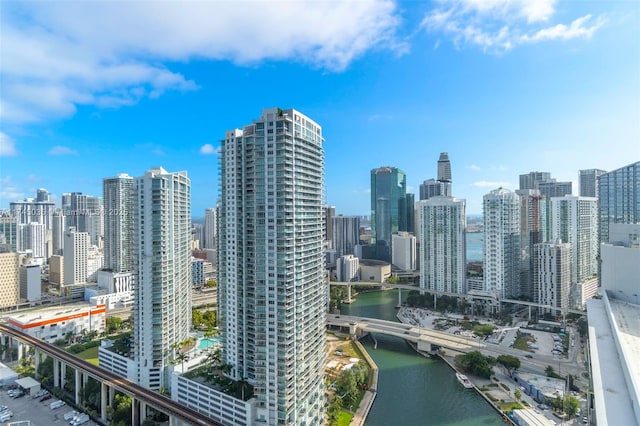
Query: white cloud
x=474, y=168
x=7, y=146
x=62, y=150
x=500, y=25
x=9, y=191
x=207, y=149
x=491, y=184
x=58, y=55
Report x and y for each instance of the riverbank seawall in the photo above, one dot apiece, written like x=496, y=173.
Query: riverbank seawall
x=370, y=394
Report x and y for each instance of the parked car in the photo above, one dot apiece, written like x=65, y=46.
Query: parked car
x=80, y=420
x=56, y=404
x=46, y=397
x=5, y=416
x=70, y=415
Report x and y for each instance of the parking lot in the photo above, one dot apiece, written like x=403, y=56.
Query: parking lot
x=39, y=413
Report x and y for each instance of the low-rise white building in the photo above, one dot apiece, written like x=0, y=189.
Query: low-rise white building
x=53, y=323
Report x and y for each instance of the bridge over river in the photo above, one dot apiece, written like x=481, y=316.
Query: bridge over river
x=427, y=340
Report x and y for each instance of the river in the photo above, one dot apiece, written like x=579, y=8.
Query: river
x=412, y=389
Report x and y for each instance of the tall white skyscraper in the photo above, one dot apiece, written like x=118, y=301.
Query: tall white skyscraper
x=162, y=268
x=502, y=242
x=76, y=249
x=271, y=283
x=210, y=229
x=552, y=275
x=32, y=236
x=574, y=220
x=346, y=234
x=118, y=225
x=443, y=259
x=58, y=226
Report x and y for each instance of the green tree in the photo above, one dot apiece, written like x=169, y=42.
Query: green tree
x=517, y=394
x=474, y=363
x=197, y=319
x=571, y=405
x=549, y=371
x=114, y=324
x=510, y=362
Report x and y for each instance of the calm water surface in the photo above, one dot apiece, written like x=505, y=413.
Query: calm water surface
x=412, y=389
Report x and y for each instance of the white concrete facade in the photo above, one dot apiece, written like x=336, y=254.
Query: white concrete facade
x=76, y=246
x=162, y=269
x=403, y=251
x=501, y=209
x=552, y=275
x=443, y=259
x=348, y=268
x=272, y=284
x=118, y=225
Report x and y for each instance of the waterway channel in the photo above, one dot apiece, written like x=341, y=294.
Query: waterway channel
x=412, y=389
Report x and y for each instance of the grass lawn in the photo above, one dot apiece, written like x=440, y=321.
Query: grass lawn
x=344, y=418
x=521, y=343
x=90, y=355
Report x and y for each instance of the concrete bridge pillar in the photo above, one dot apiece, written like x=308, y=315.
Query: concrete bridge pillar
x=20, y=351
x=529, y=313
x=104, y=389
x=399, y=297
x=63, y=374
x=353, y=328
x=135, y=411
x=349, y=300
x=36, y=362
x=56, y=373
x=78, y=381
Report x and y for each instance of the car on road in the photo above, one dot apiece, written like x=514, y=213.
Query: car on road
x=528, y=356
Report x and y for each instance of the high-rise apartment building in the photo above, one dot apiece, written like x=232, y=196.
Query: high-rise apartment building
x=271, y=282
x=388, y=205
x=76, y=250
x=502, y=243
x=346, y=234
x=329, y=214
x=531, y=179
x=8, y=233
x=95, y=221
x=431, y=188
x=589, y=182
x=403, y=251
x=619, y=198
x=33, y=236
x=210, y=229
x=443, y=258
x=555, y=189
x=574, y=220
x=444, y=174
x=162, y=269
x=348, y=268
x=31, y=210
x=9, y=279
x=552, y=275
x=532, y=231
x=118, y=224
x=58, y=226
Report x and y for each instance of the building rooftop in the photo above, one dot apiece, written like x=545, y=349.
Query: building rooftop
x=51, y=312
x=614, y=338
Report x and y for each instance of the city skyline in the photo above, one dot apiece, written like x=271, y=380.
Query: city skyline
x=505, y=89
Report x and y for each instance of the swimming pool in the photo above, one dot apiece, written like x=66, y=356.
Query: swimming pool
x=207, y=342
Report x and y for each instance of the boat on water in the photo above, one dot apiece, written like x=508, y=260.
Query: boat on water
x=464, y=381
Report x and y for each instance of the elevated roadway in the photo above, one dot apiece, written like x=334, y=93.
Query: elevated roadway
x=137, y=392
x=424, y=337
x=350, y=284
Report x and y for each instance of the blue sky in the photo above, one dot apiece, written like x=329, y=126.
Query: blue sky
x=92, y=89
